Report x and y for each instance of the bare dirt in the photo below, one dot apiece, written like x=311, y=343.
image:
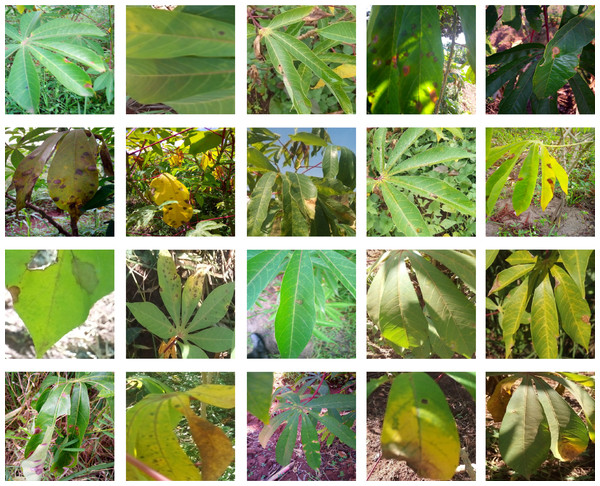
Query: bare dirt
x=94, y=339
x=462, y=407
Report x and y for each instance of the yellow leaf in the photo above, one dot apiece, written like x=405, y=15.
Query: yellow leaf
x=207, y=160
x=20, y=8
x=561, y=175
x=216, y=451
x=343, y=70
x=500, y=397
x=222, y=396
x=167, y=188
x=548, y=178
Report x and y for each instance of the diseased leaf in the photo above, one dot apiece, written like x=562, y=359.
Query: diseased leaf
x=310, y=442
x=509, y=275
x=514, y=307
x=152, y=318
x=287, y=440
x=213, y=309
x=548, y=178
x=576, y=262
x=405, y=214
x=170, y=285
x=258, y=206
x=296, y=317
x=419, y=428
x=525, y=185
x=500, y=397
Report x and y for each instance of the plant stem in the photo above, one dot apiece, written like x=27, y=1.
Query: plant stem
x=160, y=141
x=49, y=218
x=447, y=70
x=545, y=8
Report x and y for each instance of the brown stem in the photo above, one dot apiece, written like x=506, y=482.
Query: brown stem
x=74, y=228
x=447, y=70
x=43, y=213
x=316, y=391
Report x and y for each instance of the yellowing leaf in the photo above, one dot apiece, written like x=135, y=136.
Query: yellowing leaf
x=561, y=175
x=419, y=428
x=216, y=451
x=497, y=403
x=167, y=188
x=20, y=8
x=207, y=160
x=222, y=396
x=548, y=178
x=343, y=70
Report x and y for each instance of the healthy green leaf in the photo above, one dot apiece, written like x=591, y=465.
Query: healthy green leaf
x=524, y=436
x=152, y=318
x=335, y=401
x=433, y=156
x=490, y=256
x=260, y=390
x=214, y=339
x=287, y=440
x=344, y=32
x=460, y=263
x=258, y=162
x=379, y=148
x=408, y=138
x=213, y=309
x=525, y=185
x=23, y=83
x=344, y=269
x=337, y=428
x=405, y=214
x=290, y=16
x=467, y=22
x=544, y=321
x=466, y=379
x=261, y=270
x=296, y=317
x=61, y=28
x=419, y=428
x=586, y=101
x=308, y=139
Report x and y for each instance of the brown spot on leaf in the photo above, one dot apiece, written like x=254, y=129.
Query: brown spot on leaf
x=555, y=51
x=14, y=292
x=78, y=172
x=405, y=70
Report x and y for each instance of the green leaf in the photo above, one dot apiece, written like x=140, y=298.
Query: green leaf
x=436, y=155
x=337, y=428
x=467, y=22
x=258, y=206
x=490, y=256
x=296, y=317
x=290, y=16
x=284, y=65
x=375, y=383
x=516, y=98
x=308, y=139
x=505, y=73
x=301, y=52
x=495, y=183
x=404, y=58
x=524, y=436
x=573, y=309
x=393, y=305
x=407, y=139
x=585, y=400
x=525, y=185
x=514, y=308
x=10, y=49
x=584, y=96
x=11, y=32
x=493, y=154
x=61, y=28
x=512, y=16
x=260, y=390
x=163, y=34
x=287, y=440
x=509, y=275
x=67, y=73
x=452, y=314
x=335, y=401
x=170, y=285
x=196, y=85
x=438, y=190
x=460, y=263
x=299, y=199
x=331, y=161
x=310, y=442
x=213, y=309
x=23, y=83
x=340, y=31
x=379, y=149
x=343, y=269
x=261, y=270
x=191, y=295
x=576, y=262
x=405, y=214
x=213, y=339
x=544, y=321
x=568, y=433
x=57, y=299
x=258, y=162
x=78, y=53
x=152, y=318
x=561, y=55
x=466, y=379
x=224, y=13
x=419, y=428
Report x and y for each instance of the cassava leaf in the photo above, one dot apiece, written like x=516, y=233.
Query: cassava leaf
x=343, y=269
x=296, y=316
x=152, y=318
x=525, y=185
x=436, y=155
x=405, y=214
x=576, y=262
x=258, y=206
x=213, y=309
x=514, y=309
x=544, y=321
x=170, y=285
x=260, y=390
x=419, y=428
x=261, y=270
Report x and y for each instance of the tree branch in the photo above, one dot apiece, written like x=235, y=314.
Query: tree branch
x=447, y=70
x=43, y=213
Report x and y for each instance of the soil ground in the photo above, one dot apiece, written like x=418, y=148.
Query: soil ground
x=462, y=407
x=94, y=339
x=338, y=461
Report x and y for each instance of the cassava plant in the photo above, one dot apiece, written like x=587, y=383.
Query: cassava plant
x=536, y=163
x=407, y=68
x=288, y=202
x=182, y=58
x=191, y=331
x=307, y=49
x=73, y=175
x=314, y=284
x=418, y=426
x=421, y=182
x=540, y=296
x=154, y=451
x=68, y=417
x=59, y=45
x=422, y=303
x=54, y=290
x=302, y=407
x=537, y=416
x=532, y=74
